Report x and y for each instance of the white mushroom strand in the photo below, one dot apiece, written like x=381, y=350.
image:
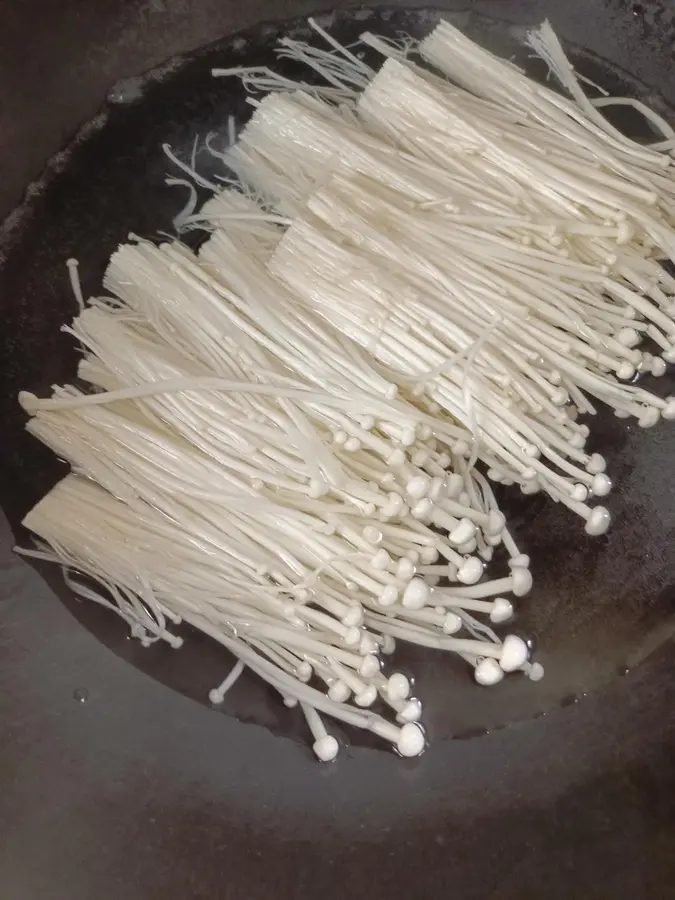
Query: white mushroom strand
x=291, y=435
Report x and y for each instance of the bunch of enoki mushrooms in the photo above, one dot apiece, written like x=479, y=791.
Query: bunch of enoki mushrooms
x=419, y=281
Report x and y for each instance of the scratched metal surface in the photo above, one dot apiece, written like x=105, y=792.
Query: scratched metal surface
x=113, y=783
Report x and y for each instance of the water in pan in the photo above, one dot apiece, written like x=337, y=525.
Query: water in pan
x=598, y=606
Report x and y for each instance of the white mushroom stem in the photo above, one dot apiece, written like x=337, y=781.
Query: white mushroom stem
x=419, y=594
x=325, y=746
x=488, y=672
x=533, y=670
x=217, y=695
x=408, y=740
x=499, y=610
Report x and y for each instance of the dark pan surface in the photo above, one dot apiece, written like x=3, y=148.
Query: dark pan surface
x=570, y=790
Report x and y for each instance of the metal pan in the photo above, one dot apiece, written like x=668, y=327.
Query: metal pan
x=116, y=776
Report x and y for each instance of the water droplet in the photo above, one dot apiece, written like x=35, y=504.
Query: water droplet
x=569, y=700
x=81, y=695
x=471, y=733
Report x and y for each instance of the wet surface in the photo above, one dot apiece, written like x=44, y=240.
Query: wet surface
x=127, y=786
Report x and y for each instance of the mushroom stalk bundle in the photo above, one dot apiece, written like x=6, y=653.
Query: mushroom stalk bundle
x=526, y=242
x=253, y=475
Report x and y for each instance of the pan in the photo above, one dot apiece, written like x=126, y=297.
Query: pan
x=117, y=775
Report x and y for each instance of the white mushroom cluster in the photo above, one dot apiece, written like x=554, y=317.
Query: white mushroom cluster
x=425, y=279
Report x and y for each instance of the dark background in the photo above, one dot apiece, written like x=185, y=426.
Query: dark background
x=113, y=786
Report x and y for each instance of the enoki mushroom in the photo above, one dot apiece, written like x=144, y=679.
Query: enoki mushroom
x=272, y=488
x=429, y=276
